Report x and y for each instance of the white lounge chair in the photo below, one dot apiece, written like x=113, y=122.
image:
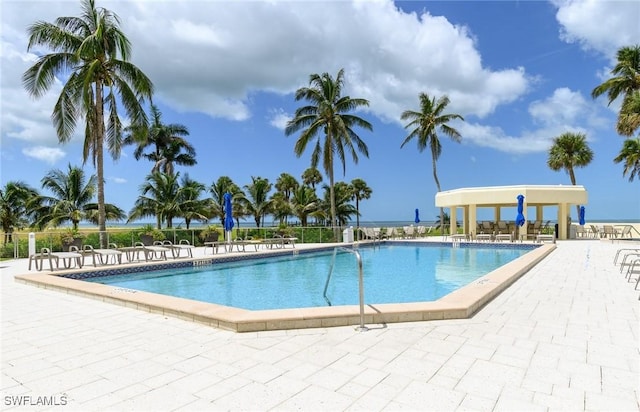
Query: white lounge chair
x=46, y=255
x=176, y=250
x=102, y=255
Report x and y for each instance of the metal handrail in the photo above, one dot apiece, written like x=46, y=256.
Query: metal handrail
x=362, y=327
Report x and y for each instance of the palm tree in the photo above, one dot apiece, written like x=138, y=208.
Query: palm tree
x=425, y=124
x=630, y=155
x=285, y=185
x=14, y=210
x=160, y=196
x=629, y=117
x=304, y=203
x=70, y=201
x=328, y=115
x=360, y=191
x=171, y=148
x=92, y=53
x=223, y=185
x=625, y=82
x=257, y=200
x=569, y=150
x=311, y=177
x=343, y=195
x=191, y=206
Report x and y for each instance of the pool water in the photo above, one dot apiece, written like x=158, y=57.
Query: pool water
x=392, y=274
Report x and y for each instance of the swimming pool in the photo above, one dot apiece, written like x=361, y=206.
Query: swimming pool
x=459, y=304
x=392, y=274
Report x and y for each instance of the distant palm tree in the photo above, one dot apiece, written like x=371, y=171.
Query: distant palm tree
x=343, y=195
x=570, y=150
x=14, y=210
x=360, y=191
x=625, y=82
x=286, y=184
x=71, y=200
x=223, y=185
x=630, y=156
x=328, y=115
x=161, y=197
x=256, y=201
x=92, y=54
x=170, y=146
x=304, y=203
x=425, y=124
x=311, y=177
x=191, y=205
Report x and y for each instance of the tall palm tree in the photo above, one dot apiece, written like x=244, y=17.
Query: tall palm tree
x=257, y=200
x=92, y=53
x=170, y=146
x=285, y=185
x=630, y=155
x=360, y=191
x=624, y=82
x=14, y=210
x=570, y=150
x=311, y=177
x=629, y=117
x=71, y=200
x=425, y=124
x=328, y=115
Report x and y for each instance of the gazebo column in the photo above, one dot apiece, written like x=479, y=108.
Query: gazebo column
x=496, y=213
x=465, y=219
x=563, y=213
x=472, y=220
x=539, y=212
x=453, y=217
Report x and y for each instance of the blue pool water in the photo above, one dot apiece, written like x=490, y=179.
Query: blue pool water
x=392, y=274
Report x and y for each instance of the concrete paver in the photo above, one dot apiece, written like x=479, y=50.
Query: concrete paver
x=563, y=337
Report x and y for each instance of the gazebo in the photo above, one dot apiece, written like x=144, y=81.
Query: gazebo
x=496, y=197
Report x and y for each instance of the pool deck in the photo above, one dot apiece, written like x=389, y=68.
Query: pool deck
x=562, y=337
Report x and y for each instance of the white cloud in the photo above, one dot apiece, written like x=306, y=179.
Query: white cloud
x=279, y=119
x=118, y=180
x=564, y=111
x=49, y=155
x=603, y=26
x=210, y=58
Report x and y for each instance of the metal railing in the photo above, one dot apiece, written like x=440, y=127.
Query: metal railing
x=362, y=327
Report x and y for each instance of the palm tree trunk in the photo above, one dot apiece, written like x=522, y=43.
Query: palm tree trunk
x=435, y=177
x=572, y=176
x=332, y=201
x=357, y=218
x=99, y=156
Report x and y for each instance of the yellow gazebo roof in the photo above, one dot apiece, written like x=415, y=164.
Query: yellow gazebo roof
x=534, y=195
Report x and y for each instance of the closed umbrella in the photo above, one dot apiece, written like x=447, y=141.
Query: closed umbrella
x=581, y=217
x=228, y=215
x=417, y=219
x=520, y=217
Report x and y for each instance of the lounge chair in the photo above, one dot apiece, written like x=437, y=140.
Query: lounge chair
x=390, y=233
x=581, y=231
x=624, y=251
x=504, y=236
x=610, y=231
x=279, y=241
x=540, y=237
x=47, y=255
x=595, y=232
x=102, y=255
x=502, y=227
x=409, y=232
x=214, y=245
x=242, y=243
x=176, y=250
x=156, y=251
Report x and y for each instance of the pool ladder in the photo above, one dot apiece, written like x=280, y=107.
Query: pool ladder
x=361, y=328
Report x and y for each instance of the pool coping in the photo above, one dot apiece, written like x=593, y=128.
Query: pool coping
x=460, y=304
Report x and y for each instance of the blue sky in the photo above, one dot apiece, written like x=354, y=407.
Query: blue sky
x=520, y=72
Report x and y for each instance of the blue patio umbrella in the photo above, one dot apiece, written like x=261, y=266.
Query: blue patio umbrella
x=417, y=219
x=581, y=217
x=520, y=217
x=228, y=215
